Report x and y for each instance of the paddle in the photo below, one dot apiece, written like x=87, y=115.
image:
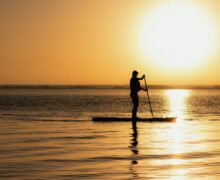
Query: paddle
x=148, y=98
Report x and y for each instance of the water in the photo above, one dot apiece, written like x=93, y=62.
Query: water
x=48, y=134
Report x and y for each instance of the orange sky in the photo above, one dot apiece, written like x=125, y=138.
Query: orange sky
x=89, y=42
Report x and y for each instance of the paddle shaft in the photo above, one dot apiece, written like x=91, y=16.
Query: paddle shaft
x=148, y=98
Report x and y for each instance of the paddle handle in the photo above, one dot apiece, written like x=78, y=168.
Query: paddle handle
x=151, y=110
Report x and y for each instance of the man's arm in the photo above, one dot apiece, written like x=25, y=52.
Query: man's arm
x=144, y=89
x=141, y=77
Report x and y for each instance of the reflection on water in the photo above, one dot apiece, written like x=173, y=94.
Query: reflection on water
x=177, y=102
x=178, y=136
x=178, y=105
x=36, y=144
x=134, y=149
x=134, y=143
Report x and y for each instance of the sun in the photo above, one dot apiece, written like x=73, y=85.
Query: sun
x=178, y=35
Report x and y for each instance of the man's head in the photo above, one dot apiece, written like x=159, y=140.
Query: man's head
x=134, y=73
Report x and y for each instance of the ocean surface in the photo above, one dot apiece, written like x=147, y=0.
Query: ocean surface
x=49, y=134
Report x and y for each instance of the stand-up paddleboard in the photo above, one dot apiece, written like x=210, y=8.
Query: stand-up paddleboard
x=117, y=119
x=153, y=119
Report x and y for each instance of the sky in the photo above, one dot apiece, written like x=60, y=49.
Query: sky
x=103, y=41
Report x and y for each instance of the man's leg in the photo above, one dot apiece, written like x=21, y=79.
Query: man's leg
x=135, y=106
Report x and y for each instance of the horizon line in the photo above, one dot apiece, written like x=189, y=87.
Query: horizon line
x=103, y=86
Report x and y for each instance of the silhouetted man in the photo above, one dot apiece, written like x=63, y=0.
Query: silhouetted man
x=135, y=87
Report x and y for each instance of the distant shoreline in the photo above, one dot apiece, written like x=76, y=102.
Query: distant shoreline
x=203, y=87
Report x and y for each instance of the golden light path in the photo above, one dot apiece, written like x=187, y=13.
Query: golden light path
x=174, y=136
x=177, y=102
x=179, y=134
x=178, y=35
x=174, y=143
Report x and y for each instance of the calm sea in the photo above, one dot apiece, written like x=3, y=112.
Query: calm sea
x=49, y=134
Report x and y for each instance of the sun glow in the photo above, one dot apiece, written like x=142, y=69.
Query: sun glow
x=177, y=102
x=178, y=35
